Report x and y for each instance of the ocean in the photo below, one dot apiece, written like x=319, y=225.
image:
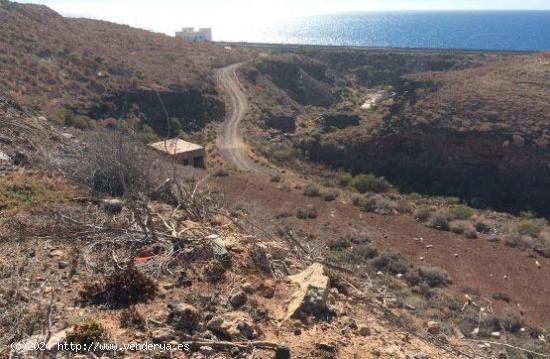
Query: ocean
x=486, y=30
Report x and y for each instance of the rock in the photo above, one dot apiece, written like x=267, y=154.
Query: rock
x=238, y=300
x=260, y=257
x=311, y=296
x=421, y=356
x=4, y=158
x=183, y=316
x=62, y=264
x=161, y=335
x=331, y=348
x=56, y=253
x=220, y=251
x=233, y=325
x=278, y=251
x=364, y=331
x=434, y=328
x=248, y=288
x=495, y=335
x=206, y=351
x=282, y=353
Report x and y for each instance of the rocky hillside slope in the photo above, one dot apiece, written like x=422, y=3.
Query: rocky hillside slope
x=102, y=70
x=473, y=125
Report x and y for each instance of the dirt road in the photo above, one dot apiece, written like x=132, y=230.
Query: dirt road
x=229, y=140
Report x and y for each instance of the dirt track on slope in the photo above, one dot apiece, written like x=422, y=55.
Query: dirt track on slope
x=229, y=140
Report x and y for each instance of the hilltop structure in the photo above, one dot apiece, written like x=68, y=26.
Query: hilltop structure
x=189, y=33
x=186, y=153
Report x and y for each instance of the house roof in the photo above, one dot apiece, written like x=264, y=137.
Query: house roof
x=175, y=146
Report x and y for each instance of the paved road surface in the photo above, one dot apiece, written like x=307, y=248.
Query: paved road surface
x=229, y=140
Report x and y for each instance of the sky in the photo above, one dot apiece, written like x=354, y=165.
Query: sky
x=169, y=15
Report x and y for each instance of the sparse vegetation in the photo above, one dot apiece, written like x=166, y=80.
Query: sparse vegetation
x=312, y=190
x=369, y=183
x=86, y=334
x=309, y=212
x=120, y=289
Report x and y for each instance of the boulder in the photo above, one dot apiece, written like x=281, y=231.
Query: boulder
x=233, y=326
x=238, y=300
x=260, y=257
x=219, y=249
x=311, y=296
x=183, y=316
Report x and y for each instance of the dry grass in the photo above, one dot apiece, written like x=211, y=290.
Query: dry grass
x=24, y=191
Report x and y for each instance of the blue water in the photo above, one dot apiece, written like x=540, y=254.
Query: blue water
x=494, y=30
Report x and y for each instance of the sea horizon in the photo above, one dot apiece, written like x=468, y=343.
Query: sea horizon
x=501, y=30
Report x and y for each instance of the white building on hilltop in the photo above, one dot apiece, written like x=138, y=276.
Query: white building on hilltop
x=189, y=33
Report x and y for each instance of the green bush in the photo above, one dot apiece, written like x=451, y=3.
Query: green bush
x=369, y=183
x=531, y=227
x=461, y=212
x=284, y=153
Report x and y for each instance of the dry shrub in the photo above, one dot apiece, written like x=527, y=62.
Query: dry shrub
x=214, y=271
x=131, y=318
x=370, y=183
x=440, y=220
x=86, y=334
x=434, y=276
x=308, y=212
x=463, y=227
x=330, y=195
x=404, y=206
x=422, y=214
x=391, y=262
x=530, y=227
x=116, y=165
x=120, y=289
x=312, y=191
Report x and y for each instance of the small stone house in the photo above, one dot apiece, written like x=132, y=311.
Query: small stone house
x=186, y=153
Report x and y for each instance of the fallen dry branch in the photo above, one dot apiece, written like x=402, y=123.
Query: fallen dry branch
x=508, y=346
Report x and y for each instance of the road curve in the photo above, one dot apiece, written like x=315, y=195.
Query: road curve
x=229, y=140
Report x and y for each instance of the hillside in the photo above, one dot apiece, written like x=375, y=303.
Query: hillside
x=102, y=70
x=471, y=125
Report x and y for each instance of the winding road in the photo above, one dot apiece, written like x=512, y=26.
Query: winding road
x=229, y=140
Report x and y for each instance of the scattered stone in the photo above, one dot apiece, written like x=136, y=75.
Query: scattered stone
x=282, y=353
x=233, y=325
x=183, y=316
x=4, y=157
x=248, y=288
x=62, y=264
x=206, y=351
x=311, y=297
x=278, y=251
x=260, y=257
x=238, y=300
x=421, y=356
x=537, y=263
x=220, y=250
x=168, y=285
x=161, y=335
x=183, y=280
x=364, y=331
x=495, y=335
x=56, y=253
x=434, y=328
x=331, y=348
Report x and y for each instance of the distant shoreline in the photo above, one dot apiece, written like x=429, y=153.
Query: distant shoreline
x=280, y=46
